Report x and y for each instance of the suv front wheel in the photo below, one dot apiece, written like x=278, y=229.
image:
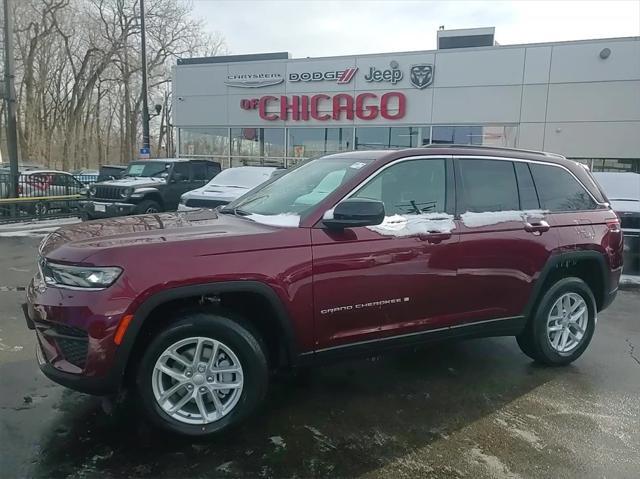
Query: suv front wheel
x=562, y=325
x=201, y=374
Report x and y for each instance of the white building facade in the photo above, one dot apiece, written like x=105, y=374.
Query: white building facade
x=580, y=99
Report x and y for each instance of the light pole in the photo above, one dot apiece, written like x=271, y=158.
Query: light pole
x=145, y=105
x=10, y=97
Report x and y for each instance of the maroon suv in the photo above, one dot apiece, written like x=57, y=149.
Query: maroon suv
x=352, y=253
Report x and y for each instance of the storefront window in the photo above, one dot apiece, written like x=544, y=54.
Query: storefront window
x=491, y=135
x=310, y=142
x=257, y=146
x=611, y=164
x=396, y=137
x=204, y=141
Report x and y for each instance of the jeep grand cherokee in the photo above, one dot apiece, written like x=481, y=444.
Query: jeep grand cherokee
x=352, y=253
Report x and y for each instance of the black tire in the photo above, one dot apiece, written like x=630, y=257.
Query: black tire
x=148, y=206
x=534, y=342
x=231, y=331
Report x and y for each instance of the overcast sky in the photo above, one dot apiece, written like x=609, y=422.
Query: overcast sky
x=326, y=28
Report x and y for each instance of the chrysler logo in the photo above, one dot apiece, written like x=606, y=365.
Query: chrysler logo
x=254, y=80
x=421, y=75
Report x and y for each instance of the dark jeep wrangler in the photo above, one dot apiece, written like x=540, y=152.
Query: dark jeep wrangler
x=148, y=186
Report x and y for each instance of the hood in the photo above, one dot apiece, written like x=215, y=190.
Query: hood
x=134, y=182
x=76, y=243
x=216, y=192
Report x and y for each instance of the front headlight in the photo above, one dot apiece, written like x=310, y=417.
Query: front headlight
x=126, y=192
x=78, y=276
x=183, y=200
x=92, y=191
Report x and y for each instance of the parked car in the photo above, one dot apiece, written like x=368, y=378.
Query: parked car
x=148, y=186
x=86, y=177
x=225, y=187
x=623, y=191
x=194, y=310
x=46, y=184
x=111, y=172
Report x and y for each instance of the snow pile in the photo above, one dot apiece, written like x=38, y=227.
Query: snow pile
x=409, y=225
x=475, y=220
x=287, y=220
x=328, y=215
x=629, y=280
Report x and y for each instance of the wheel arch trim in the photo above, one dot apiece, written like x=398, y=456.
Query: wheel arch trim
x=143, y=311
x=558, y=259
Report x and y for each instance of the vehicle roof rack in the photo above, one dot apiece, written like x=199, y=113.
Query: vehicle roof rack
x=500, y=148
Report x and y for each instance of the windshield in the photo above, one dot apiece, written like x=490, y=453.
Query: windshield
x=244, y=177
x=301, y=189
x=155, y=168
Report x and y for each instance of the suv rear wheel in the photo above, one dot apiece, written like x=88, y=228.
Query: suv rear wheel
x=202, y=374
x=563, y=324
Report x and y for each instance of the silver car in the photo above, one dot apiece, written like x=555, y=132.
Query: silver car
x=225, y=187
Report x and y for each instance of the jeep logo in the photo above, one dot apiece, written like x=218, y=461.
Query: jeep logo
x=392, y=75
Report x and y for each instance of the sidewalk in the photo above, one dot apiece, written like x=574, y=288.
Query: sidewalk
x=35, y=227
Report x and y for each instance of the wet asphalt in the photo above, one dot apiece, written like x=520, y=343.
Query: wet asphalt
x=476, y=409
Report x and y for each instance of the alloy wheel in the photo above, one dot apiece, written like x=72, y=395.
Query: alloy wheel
x=567, y=323
x=197, y=380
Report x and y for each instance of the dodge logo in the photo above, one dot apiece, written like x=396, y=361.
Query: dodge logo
x=421, y=75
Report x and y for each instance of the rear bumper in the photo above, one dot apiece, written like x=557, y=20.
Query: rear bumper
x=94, y=208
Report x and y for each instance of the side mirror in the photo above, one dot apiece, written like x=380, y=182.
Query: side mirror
x=355, y=212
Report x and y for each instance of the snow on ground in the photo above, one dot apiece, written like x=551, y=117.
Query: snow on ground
x=35, y=228
x=288, y=220
x=627, y=279
x=398, y=225
x=475, y=220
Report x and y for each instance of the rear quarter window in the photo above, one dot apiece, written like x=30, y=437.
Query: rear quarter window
x=558, y=190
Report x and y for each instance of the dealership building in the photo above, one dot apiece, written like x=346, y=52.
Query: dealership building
x=578, y=98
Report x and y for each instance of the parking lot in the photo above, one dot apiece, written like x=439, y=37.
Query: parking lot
x=468, y=409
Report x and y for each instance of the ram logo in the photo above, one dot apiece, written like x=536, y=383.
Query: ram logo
x=421, y=75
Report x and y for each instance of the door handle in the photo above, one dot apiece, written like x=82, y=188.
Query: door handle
x=537, y=228
x=435, y=237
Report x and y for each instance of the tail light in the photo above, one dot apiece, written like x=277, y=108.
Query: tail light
x=613, y=224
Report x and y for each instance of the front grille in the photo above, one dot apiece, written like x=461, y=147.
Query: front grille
x=198, y=203
x=107, y=192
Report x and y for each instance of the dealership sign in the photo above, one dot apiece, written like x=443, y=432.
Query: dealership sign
x=339, y=76
x=322, y=107
x=253, y=80
x=392, y=75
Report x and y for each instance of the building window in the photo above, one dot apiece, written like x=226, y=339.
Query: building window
x=491, y=135
x=611, y=164
x=204, y=142
x=371, y=138
x=311, y=142
x=257, y=146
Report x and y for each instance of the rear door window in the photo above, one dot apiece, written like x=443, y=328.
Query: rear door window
x=559, y=190
x=487, y=185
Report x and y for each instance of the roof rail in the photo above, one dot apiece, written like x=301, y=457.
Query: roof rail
x=501, y=148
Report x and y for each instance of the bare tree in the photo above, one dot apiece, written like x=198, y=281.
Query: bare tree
x=78, y=75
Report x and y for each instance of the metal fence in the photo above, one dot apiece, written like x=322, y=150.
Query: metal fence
x=46, y=194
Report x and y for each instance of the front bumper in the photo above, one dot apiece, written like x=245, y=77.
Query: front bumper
x=106, y=209
x=74, y=332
